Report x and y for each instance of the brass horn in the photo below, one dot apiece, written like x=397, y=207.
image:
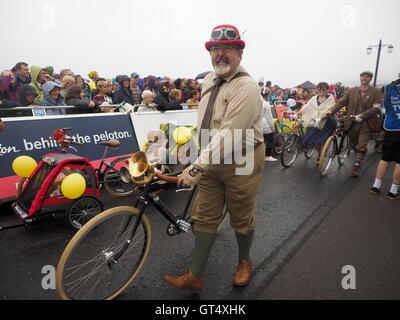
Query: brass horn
x=125, y=175
x=141, y=172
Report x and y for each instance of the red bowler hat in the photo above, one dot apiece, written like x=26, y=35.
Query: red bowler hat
x=225, y=34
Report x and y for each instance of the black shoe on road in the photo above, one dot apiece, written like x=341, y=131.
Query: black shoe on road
x=392, y=196
x=374, y=190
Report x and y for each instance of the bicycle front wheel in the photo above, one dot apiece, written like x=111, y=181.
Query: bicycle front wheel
x=112, y=179
x=104, y=256
x=309, y=152
x=344, y=149
x=327, y=154
x=290, y=151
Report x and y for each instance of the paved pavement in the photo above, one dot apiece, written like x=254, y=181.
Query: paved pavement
x=362, y=231
x=290, y=207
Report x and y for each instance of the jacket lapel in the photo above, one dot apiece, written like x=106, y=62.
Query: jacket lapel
x=367, y=97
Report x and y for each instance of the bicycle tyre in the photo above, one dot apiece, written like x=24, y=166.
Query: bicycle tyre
x=102, y=254
x=113, y=182
x=327, y=154
x=308, y=153
x=280, y=140
x=290, y=151
x=287, y=133
x=344, y=149
x=82, y=210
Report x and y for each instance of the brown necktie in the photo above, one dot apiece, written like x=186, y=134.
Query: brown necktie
x=205, y=124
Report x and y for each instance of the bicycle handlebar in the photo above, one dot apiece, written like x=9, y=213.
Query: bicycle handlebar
x=161, y=176
x=344, y=118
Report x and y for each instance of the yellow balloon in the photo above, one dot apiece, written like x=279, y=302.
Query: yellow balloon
x=182, y=135
x=24, y=166
x=73, y=186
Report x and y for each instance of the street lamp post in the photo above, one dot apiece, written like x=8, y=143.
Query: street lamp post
x=380, y=46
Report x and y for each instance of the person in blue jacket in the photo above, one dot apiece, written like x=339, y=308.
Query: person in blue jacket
x=391, y=142
x=124, y=93
x=52, y=97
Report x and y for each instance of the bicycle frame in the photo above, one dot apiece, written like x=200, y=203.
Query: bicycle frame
x=337, y=139
x=300, y=134
x=149, y=196
x=104, y=164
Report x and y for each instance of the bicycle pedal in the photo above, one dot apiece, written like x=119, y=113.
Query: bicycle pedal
x=184, y=225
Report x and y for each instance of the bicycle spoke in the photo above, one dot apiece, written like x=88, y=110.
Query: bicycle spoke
x=90, y=271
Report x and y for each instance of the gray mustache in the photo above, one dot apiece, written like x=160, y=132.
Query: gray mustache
x=224, y=59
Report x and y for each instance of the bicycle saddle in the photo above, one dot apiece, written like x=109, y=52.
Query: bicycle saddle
x=113, y=143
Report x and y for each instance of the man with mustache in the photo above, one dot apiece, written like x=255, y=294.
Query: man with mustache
x=230, y=101
x=361, y=103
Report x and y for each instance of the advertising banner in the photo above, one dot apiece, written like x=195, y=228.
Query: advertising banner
x=32, y=137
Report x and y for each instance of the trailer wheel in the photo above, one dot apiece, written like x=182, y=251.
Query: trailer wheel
x=82, y=210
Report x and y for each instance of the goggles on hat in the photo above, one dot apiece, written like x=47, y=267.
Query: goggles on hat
x=224, y=34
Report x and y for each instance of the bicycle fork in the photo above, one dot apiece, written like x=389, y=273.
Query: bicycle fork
x=141, y=204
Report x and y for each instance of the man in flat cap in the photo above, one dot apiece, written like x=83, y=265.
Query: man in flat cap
x=361, y=103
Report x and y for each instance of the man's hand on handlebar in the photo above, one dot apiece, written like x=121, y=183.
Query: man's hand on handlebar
x=357, y=118
x=190, y=176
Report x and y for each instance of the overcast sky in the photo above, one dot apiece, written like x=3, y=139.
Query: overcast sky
x=287, y=41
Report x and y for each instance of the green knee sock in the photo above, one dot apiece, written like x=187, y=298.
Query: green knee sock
x=203, y=244
x=244, y=244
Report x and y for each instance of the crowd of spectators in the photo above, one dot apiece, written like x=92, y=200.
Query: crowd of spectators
x=34, y=86
x=297, y=97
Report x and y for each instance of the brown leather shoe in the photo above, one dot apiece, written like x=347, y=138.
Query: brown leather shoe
x=243, y=273
x=185, y=281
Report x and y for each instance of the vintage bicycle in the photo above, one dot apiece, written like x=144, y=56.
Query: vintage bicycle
x=294, y=144
x=105, y=256
x=282, y=126
x=337, y=145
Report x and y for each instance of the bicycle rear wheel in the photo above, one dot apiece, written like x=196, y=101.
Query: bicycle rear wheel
x=90, y=268
x=309, y=151
x=290, y=151
x=112, y=179
x=279, y=143
x=327, y=154
x=344, y=149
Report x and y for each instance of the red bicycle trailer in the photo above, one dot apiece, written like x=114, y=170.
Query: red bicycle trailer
x=41, y=194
